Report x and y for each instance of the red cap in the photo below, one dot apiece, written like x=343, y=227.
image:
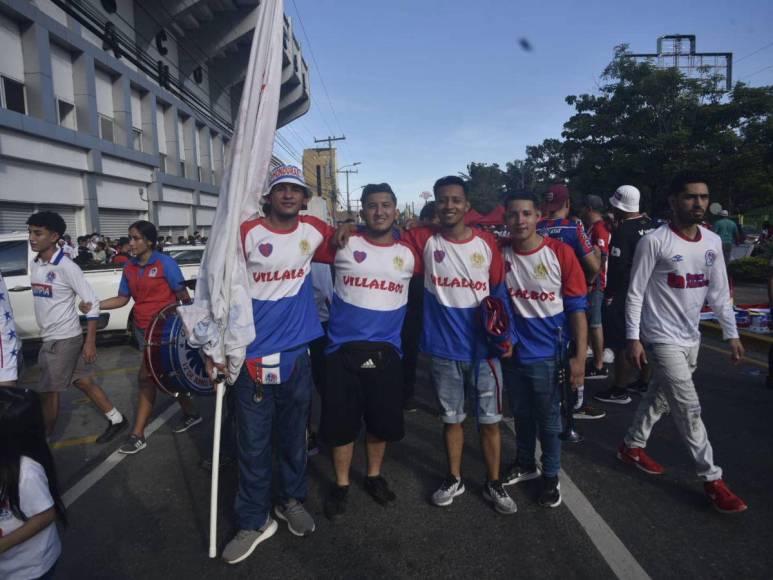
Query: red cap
x=555, y=198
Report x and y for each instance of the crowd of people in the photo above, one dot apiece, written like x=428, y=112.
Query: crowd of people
x=495, y=316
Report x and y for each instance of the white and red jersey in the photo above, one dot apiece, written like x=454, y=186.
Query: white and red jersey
x=458, y=275
x=278, y=268
x=370, y=292
x=672, y=277
x=599, y=238
x=544, y=284
x=9, y=342
x=55, y=285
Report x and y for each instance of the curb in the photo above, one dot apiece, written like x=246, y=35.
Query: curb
x=748, y=338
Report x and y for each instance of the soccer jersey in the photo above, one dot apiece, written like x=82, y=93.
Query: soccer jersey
x=458, y=275
x=278, y=267
x=622, y=247
x=672, y=277
x=9, y=342
x=153, y=286
x=371, y=292
x=544, y=285
x=599, y=238
x=55, y=285
x=568, y=231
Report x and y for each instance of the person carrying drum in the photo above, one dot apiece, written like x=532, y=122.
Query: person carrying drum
x=154, y=281
x=274, y=386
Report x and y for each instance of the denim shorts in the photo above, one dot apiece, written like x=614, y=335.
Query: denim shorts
x=456, y=381
x=596, y=303
x=139, y=337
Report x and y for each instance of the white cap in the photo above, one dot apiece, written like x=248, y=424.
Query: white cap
x=724, y=213
x=626, y=198
x=287, y=174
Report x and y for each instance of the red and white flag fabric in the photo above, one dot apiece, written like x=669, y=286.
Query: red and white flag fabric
x=220, y=318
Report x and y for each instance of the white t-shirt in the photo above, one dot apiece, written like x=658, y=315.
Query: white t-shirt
x=34, y=557
x=55, y=285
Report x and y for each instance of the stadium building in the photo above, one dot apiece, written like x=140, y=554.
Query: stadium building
x=118, y=110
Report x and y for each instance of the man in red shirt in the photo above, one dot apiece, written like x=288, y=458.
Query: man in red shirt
x=593, y=218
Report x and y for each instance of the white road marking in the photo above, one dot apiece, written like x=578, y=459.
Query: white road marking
x=113, y=459
x=611, y=548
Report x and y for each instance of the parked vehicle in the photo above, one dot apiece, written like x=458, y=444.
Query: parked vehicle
x=16, y=257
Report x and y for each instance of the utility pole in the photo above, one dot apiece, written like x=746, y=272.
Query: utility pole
x=331, y=171
x=347, y=172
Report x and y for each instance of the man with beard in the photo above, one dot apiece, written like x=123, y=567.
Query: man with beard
x=676, y=269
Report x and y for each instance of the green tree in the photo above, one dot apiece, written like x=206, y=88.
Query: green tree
x=485, y=183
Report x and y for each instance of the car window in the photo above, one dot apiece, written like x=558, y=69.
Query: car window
x=186, y=256
x=13, y=258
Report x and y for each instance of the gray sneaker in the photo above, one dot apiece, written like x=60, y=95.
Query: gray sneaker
x=494, y=492
x=448, y=490
x=186, y=423
x=517, y=474
x=133, y=445
x=299, y=521
x=245, y=542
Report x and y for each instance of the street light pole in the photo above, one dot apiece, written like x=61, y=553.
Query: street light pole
x=347, y=172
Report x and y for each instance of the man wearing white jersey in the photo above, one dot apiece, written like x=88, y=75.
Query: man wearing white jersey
x=364, y=366
x=64, y=357
x=676, y=269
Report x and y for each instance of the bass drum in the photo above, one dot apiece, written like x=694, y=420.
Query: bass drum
x=174, y=366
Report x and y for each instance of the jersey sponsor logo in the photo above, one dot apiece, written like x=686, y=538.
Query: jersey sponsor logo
x=265, y=249
x=278, y=276
x=687, y=281
x=373, y=284
x=305, y=247
x=43, y=290
x=153, y=272
x=50, y=277
x=615, y=252
x=478, y=261
x=446, y=282
x=439, y=255
x=710, y=256
x=678, y=258
x=398, y=263
x=359, y=256
x=535, y=295
x=540, y=272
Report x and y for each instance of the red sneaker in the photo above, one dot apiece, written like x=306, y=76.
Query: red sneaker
x=722, y=498
x=636, y=456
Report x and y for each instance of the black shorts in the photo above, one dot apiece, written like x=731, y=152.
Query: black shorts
x=364, y=381
x=613, y=322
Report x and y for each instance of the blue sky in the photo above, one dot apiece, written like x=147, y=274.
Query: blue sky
x=422, y=87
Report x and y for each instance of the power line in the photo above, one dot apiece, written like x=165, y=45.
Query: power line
x=319, y=71
x=758, y=71
x=753, y=53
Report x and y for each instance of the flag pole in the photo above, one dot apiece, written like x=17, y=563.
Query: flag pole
x=220, y=388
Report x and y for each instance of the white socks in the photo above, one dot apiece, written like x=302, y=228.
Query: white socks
x=114, y=416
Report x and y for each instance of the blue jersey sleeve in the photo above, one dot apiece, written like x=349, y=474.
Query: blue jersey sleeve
x=173, y=274
x=500, y=291
x=123, y=287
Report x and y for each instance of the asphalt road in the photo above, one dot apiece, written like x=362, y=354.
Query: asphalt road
x=147, y=517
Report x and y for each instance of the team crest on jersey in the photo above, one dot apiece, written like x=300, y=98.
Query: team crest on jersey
x=540, y=272
x=398, y=263
x=477, y=259
x=677, y=258
x=711, y=255
x=439, y=255
x=305, y=247
x=153, y=272
x=50, y=277
x=359, y=257
x=270, y=378
x=265, y=249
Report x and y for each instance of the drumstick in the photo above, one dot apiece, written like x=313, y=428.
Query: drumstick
x=220, y=387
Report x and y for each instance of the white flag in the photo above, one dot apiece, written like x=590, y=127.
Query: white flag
x=222, y=307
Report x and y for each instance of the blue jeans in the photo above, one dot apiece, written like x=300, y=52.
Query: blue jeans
x=535, y=403
x=289, y=403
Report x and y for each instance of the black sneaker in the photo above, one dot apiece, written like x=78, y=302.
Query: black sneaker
x=588, y=412
x=613, y=395
x=517, y=474
x=335, y=503
x=186, y=423
x=410, y=405
x=112, y=430
x=592, y=373
x=637, y=388
x=378, y=488
x=550, y=496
